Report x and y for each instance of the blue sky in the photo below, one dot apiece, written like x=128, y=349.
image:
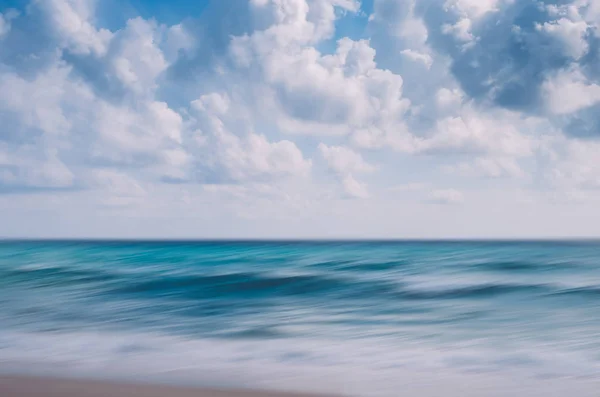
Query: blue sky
x=300, y=118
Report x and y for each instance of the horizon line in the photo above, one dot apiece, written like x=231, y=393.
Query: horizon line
x=300, y=240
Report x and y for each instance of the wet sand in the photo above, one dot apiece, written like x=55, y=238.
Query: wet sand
x=15, y=386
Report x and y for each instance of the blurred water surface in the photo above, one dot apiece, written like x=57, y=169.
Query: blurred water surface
x=346, y=313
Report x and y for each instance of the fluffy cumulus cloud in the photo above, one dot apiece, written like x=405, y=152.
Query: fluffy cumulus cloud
x=275, y=112
x=568, y=91
x=345, y=162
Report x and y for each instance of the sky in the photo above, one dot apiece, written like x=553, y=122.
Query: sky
x=299, y=118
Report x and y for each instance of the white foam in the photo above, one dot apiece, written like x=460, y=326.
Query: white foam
x=376, y=367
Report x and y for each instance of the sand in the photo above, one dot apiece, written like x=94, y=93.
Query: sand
x=15, y=386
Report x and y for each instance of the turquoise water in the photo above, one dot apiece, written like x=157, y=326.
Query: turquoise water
x=313, y=316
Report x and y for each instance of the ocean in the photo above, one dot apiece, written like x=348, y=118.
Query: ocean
x=354, y=318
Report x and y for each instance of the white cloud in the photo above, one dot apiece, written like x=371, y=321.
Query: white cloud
x=577, y=166
x=417, y=56
x=116, y=189
x=63, y=114
x=300, y=20
x=254, y=155
x=134, y=56
x=344, y=160
x=449, y=99
x=214, y=103
x=141, y=129
x=31, y=167
x=177, y=39
x=243, y=154
x=492, y=167
x=569, y=91
x=575, y=12
x=37, y=104
x=248, y=119
x=307, y=92
x=354, y=188
x=469, y=12
x=478, y=133
x=446, y=196
x=461, y=30
x=394, y=136
x=472, y=8
x=400, y=21
x=570, y=33
x=326, y=93
x=466, y=132
x=72, y=23
x=591, y=12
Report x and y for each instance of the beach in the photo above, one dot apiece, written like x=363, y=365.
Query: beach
x=16, y=386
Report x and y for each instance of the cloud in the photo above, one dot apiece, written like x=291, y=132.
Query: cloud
x=299, y=20
x=353, y=188
x=472, y=8
x=32, y=168
x=71, y=23
x=512, y=46
x=253, y=108
x=478, y=133
x=409, y=187
x=243, y=154
x=446, y=196
x=345, y=162
x=399, y=20
x=572, y=34
x=577, y=167
x=461, y=30
x=427, y=193
x=491, y=167
x=326, y=94
x=417, y=56
x=62, y=110
x=449, y=98
x=469, y=12
x=5, y=21
x=116, y=189
x=34, y=107
x=134, y=56
x=144, y=135
x=116, y=182
x=569, y=91
x=254, y=155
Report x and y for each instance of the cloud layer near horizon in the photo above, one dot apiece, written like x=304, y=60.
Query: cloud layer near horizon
x=429, y=118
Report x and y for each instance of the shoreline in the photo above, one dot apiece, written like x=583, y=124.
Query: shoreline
x=41, y=386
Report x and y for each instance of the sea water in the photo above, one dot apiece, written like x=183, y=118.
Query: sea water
x=351, y=318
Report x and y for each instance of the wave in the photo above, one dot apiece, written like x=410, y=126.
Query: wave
x=264, y=285
x=375, y=266
x=523, y=266
x=353, y=265
x=241, y=283
x=350, y=283
x=55, y=275
x=587, y=291
x=473, y=291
